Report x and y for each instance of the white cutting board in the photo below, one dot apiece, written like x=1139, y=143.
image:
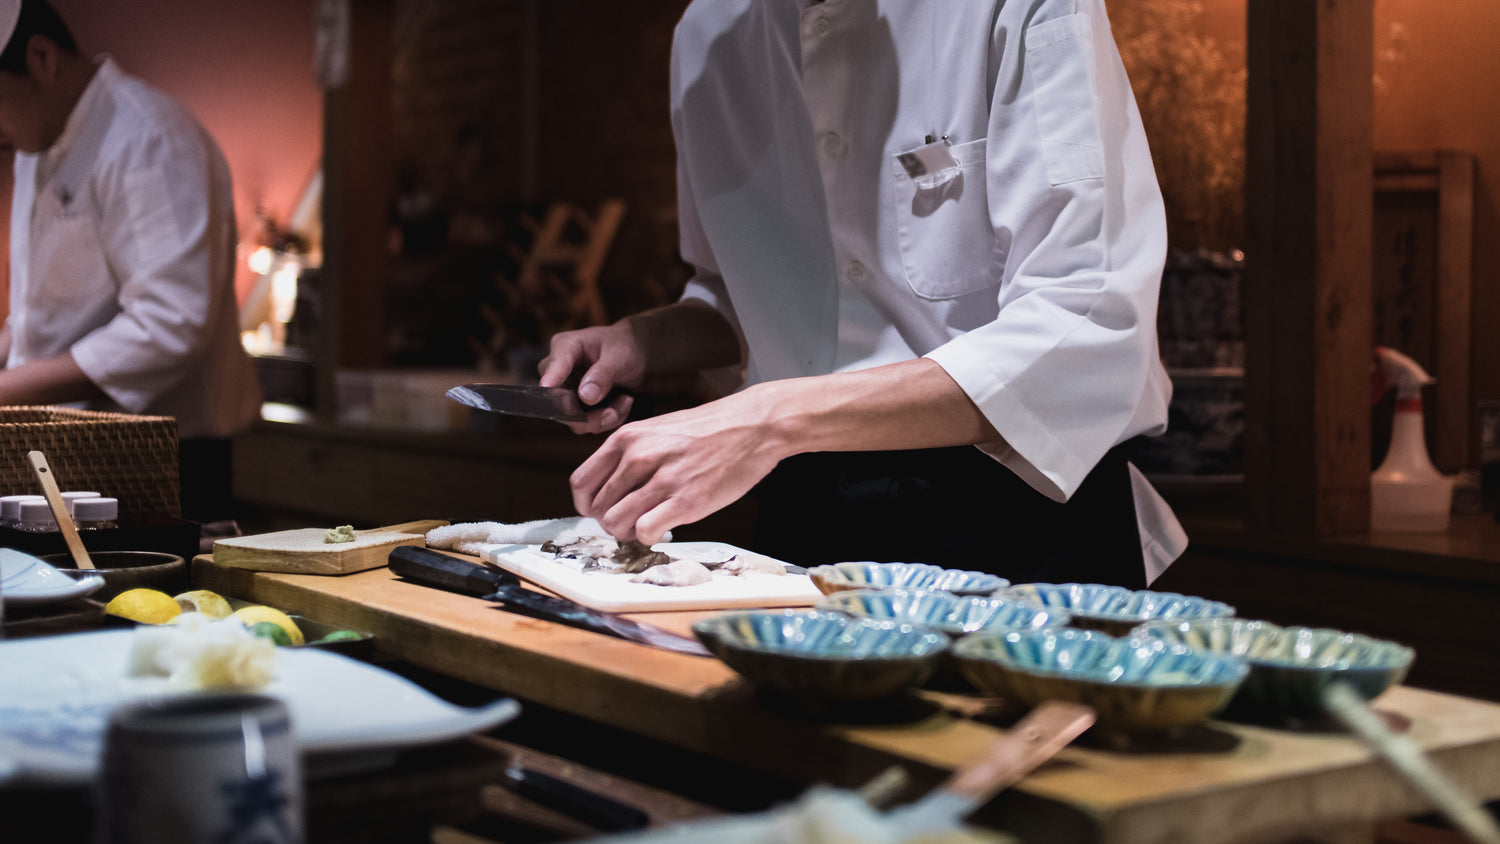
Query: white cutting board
x=614, y=592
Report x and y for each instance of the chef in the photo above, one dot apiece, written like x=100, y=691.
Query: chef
x=927, y=241
x=122, y=243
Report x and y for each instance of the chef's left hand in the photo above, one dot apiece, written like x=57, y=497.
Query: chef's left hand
x=655, y=474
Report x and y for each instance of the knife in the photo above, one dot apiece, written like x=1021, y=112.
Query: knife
x=445, y=572
x=591, y=807
x=557, y=403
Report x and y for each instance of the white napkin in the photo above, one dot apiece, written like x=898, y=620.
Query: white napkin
x=474, y=537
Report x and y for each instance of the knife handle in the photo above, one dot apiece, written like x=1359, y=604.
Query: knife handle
x=602, y=813
x=434, y=569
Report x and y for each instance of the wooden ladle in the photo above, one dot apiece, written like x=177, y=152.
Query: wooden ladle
x=59, y=507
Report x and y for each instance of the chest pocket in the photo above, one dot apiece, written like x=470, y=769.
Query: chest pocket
x=66, y=250
x=948, y=245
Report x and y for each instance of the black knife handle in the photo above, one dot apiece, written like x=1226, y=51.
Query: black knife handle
x=602, y=813
x=519, y=599
x=423, y=566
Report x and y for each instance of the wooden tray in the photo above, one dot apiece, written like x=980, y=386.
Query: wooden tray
x=303, y=551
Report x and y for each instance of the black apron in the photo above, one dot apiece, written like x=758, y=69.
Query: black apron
x=954, y=507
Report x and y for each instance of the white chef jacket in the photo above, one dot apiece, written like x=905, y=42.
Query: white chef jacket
x=122, y=250
x=1028, y=269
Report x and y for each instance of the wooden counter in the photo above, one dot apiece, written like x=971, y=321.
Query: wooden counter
x=1220, y=782
x=1435, y=592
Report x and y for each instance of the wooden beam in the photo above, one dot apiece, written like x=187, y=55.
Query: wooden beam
x=356, y=194
x=1308, y=307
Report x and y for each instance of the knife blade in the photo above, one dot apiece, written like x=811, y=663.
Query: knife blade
x=446, y=572
x=557, y=403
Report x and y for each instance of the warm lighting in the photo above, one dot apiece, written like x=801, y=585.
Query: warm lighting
x=278, y=270
x=261, y=260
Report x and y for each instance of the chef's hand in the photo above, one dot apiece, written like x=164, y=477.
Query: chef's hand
x=608, y=356
x=655, y=474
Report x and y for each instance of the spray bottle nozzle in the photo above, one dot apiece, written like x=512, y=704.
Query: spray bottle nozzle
x=1405, y=374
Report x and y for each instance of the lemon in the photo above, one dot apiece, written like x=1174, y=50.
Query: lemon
x=148, y=606
x=254, y=615
x=211, y=604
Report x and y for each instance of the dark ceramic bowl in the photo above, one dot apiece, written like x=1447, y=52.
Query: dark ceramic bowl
x=1132, y=684
x=1115, y=610
x=839, y=577
x=819, y=658
x=1290, y=667
x=124, y=570
x=953, y=615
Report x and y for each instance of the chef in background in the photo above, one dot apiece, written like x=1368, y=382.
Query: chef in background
x=927, y=242
x=122, y=244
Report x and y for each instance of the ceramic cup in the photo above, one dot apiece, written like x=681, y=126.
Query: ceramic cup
x=200, y=769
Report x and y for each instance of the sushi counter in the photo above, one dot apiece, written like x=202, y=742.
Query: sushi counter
x=1214, y=781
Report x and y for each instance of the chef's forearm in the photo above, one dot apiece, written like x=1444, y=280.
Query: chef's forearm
x=47, y=381
x=684, y=337
x=913, y=404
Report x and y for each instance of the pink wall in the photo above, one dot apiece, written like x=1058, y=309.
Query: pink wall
x=243, y=67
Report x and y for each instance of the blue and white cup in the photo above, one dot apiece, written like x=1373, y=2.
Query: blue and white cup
x=199, y=769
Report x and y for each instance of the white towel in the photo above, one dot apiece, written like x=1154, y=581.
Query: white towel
x=474, y=537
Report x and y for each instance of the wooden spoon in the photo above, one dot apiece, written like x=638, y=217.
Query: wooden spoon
x=1033, y=740
x=65, y=524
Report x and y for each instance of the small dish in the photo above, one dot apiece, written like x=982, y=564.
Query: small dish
x=27, y=581
x=1291, y=666
x=838, y=577
x=125, y=570
x=817, y=658
x=1132, y=684
x=1116, y=610
x=953, y=615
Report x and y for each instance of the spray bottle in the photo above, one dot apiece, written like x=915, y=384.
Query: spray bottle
x=1408, y=493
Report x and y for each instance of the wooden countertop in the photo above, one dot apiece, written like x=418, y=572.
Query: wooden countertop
x=1218, y=782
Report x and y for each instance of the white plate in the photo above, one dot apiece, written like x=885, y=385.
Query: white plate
x=613, y=592
x=26, y=581
x=57, y=691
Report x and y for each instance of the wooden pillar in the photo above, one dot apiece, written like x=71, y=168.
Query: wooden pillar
x=355, y=53
x=1308, y=308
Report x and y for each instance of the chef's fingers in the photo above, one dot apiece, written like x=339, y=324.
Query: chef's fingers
x=605, y=418
x=623, y=496
x=639, y=515
x=590, y=477
x=561, y=357
x=652, y=526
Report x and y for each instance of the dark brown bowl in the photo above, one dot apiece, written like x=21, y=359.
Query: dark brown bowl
x=124, y=570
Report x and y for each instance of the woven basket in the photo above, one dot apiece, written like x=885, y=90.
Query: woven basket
x=132, y=458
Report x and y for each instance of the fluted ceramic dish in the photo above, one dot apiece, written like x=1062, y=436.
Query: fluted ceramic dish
x=954, y=615
x=1132, y=684
x=1291, y=666
x=1116, y=610
x=839, y=577
x=819, y=658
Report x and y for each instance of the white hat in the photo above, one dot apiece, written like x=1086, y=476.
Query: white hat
x=10, y=12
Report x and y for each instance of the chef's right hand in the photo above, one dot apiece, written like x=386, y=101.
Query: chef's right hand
x=608, y=356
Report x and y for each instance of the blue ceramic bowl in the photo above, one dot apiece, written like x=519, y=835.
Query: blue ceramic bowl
x=1114, y=609
x=818, y=657
x=1291, y=666
x=840, y=577
x=1132, y=684
x=954, y=615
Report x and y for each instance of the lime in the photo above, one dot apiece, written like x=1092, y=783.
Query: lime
x=271, y=630
x=211, y=604
x=148, y=606
x=340, y=636
x=253, y=615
